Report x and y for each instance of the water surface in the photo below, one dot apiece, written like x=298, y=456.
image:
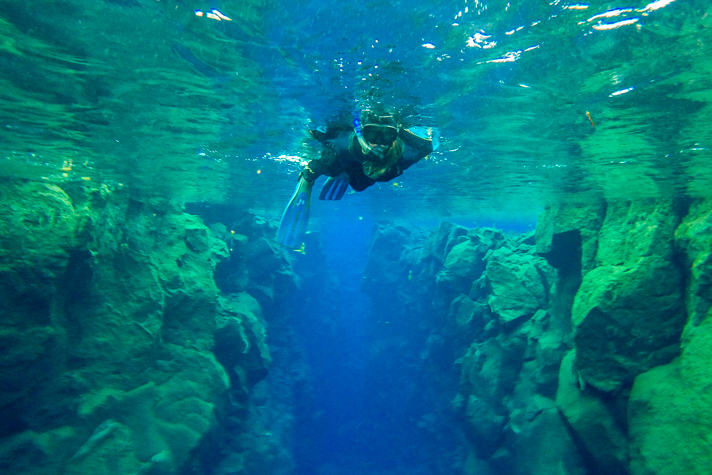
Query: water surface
x=536, y=101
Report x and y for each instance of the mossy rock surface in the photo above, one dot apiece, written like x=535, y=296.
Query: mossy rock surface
x=516, y=287
x=632, y=230
x=116, y=344
x=670, y=413
x=595, y=423
x=693, y=238
x=627, y=320
x=38, y=226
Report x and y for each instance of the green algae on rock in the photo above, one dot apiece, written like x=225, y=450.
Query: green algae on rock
x=595, y=422
x=627, y=319
x=515, y=285
x=670, y=412
x=670, y=407
x=628, y=277
x=111, y=314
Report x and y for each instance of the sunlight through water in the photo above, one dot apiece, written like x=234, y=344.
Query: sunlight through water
x=535, y=102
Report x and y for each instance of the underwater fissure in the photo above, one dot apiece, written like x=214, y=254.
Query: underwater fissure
x=196, y=345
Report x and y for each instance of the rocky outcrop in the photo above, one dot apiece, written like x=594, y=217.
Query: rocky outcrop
x=670, y=407
x=598, y=423
x=119, y=352
x=516, y=285
x=630, y=388
x=488, y=293
x=585, y=351
x=134, y=338
x=693, y=240
x=618, y=334
x=670, y=413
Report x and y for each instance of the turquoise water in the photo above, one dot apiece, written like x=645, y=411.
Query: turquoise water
x=148, y=94
x=119, y=355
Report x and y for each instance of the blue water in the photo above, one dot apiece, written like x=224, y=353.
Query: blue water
x=145, y=96
x=370, y=406
x=330, y=315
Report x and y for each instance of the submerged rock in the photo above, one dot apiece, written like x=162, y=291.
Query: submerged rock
x=569, y=229
x=441, y=242
x=489, y=374
x=598, y=425
x=632, y=230
x=670, y=406
x=485, y=426
x=516, y=288
x=541, y=443
x=39, y=227
x=693, y=238
x=107, y=330
x=465, y=260
x=670, y=413
x=627, y=320
x=240, y=342
x=616, y=305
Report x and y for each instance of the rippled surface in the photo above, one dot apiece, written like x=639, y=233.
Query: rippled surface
x=536, y=102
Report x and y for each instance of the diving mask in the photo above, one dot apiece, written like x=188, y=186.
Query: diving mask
x=380, y=134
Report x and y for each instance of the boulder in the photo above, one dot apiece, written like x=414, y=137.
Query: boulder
x=543, y=355
x=465, y=260
x=693, y=238
x=567, y=235
x=469, y=318
x=595, y=423
x=439, y=244
x=38, y=228
x=484, y=426
x=516, y=288
x=627, y=320
x=636, y=229
x=489, y=374
x=670, y=413
x=541, y=443
x=240, y=342
x=151, y=425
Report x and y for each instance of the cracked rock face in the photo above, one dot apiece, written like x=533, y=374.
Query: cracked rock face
x=670, y=412
x=107, y=331
x=516, y=287
x=670, y=406
x=627, y=320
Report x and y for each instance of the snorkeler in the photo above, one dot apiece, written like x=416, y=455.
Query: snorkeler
x=375, y=148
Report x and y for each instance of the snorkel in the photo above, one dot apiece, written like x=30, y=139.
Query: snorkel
x=359, y=134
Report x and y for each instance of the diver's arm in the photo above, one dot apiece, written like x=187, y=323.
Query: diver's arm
x=416, y=147
x=326, y=165
x=308, y=172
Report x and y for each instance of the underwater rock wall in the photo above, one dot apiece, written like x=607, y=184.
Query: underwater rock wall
x=482, y=295
x=120, y=353
x=584, y=349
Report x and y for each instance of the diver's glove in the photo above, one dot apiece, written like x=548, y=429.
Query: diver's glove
x=308, y=174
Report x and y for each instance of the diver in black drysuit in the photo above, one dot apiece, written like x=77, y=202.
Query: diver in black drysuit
x=382, y=152
x=377, y=148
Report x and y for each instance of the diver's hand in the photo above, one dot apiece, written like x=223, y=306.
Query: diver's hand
x=308, y=174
